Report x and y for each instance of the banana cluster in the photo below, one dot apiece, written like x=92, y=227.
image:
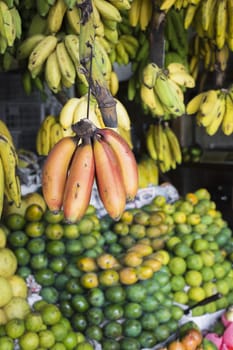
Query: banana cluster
x=10, y=25
x=9, y=179
x=213, y=110
x=161, y=90
x=49, y=133
x=163, y=146
x=148, y=172
x=140, y=13
x=74, y=164
x=177, y=4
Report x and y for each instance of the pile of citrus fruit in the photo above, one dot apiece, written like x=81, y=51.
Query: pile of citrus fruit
x=121, y=283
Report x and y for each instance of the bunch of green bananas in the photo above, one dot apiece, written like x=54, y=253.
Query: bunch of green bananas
x=9, y=179
x=213, y=110
x=161, y=90
x=163, y=146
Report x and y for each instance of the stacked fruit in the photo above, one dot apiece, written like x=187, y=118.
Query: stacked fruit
x=163, y=146
x=42, y=327
x=199, y=262
x=9, y=179
x=213, y=109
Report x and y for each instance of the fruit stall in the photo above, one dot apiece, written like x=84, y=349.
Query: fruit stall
x=116, y=175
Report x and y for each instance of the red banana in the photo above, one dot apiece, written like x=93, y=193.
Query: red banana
x=108, y=178
x=125, y=158
x=79, y=183
x=54, y=172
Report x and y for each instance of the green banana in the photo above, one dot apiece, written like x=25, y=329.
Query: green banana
x=52, y=73
x=26, y=46
x=66, y=65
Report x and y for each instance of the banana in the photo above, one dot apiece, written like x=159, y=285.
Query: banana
x=84, y=110
x=227, y=122
x=5, y=131
x=150, y=143
x=208, y=101
x=121, y=4
x=72, y=45
x=27, y=45
x=41, y=52
x=102, y=59
x=17, y=22
x=222, y=57
x=123, y=118
x=212, y=128
x=149, y=74
x=111, y=188
x=166, y=5
x=113, y=83
x=55, y=171
x=168, y=160
x=122, y=57
x=70, y=3
x=9, y=160
x=2, y=185
x=170, y=95
x=55, y=16
x=52, y=73
x=125, y=158
x=107, y=10
x=174, y=144
x=179, y=74
x=221, y=23
x=66, y=116
x=126, y=134
x=73, y=19
x=66, y=65
x=189, y=15
x=230, y=24
x=56, y=134
x=205, y=14
x=111, y=35
x=42, y=7
x=78, y=187
x=3, y=44
x=194, y=104
x=7, y=25
x=134, y=12
x=150, y=99
x=97, y=20
x=145, y=14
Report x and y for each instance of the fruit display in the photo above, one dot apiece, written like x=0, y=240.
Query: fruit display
x=128, y=283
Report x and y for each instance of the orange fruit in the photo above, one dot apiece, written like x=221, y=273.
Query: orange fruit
x=132, y=259
x=191, y=197
x=142, y=249
x=128, y=275
x=106, y=261
x=86, y=264
x=153, y=263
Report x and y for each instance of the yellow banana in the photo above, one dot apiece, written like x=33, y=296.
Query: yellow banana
x=123, y=118
x=53, y=73
x=56, y=134
x=150, y=142
x=150, y=99
x=55, y=16
x=189, y=15
x=145, y=14
x=66, y=116
x=149, y=74
x=73, y=19
x=221, y=23
x=66, y=65
x=227, y=122
x=194, y=104
x=113, y=83
x=208, y=101
x=27, y=45
x=174, y=144
x=166, y=5
x=41, y=52
x=215, y=124
x=134, y=12
x=121, y=4
x=9, y=159
x=4, y=130
x=107, y=10
x=205, y=14
x=179, y=74
x=7, y=26
x=230, y=24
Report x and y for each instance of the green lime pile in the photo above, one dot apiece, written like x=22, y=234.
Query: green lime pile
x=200, y=253
x=43, y=327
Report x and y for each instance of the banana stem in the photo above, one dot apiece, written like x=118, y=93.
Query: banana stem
x=85, y=128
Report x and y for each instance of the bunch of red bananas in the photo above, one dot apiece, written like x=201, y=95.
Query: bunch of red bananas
x=72, y=166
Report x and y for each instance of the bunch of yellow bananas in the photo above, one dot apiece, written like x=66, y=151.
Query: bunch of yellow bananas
x=213, y=110
x=75, y=163
x=163, y=146
x=161, y=90
x=177, y=4
x=9, y=180
x=10, y=26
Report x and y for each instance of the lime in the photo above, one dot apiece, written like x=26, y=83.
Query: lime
x=45, y=277
x=136, y=293
x=49, y=294
x=33, y=212
x=65, y=307
x=95, y=315
x=133, y=310
x=196, y=294
x=73, y=286
x=33, y=321
x=15, y=222
x=79, y=322
x=116, y=294
x=94, y=332
x=6, y=343
x=200, y=244
x=15, y=328
x=70, y=231
x=34, y=229
x=177, y=283
x=147, y=339
x=219, y=270
x=207, y=274
x=53, y=217
x=70, y=340
x=208, y=257
x=113, y=312
x=222, y=286
x=17, y=239
x=74, y=247
x=193, y=278
x=39, y=261
x=96, y=297
x=177, y=265
x=112, y=329
x=22, y=255
x=162, y=332
x=176, y=312
x=148, y=321
x=110, y=344
x=131, y=328
x=58, y=264
x=180, y=297
x=50, y=314
x=127, y=343
x=54, y=231
x=46, y=338
x=29, y=341
x=85, y=226
x=85, y=345
x=163, y=314
x=36, y=245
x=55, y=248
x=79, y=303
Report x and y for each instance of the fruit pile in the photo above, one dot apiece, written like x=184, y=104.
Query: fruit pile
x=119, y=283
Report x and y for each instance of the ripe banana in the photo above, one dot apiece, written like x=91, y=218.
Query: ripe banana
x=145, y=14
x=56, y=134
x=174, y=144
x=66, y=65
x=4, y=130
x=221, y=23
x=111, y=188
x=149, y=75
x=113, y=83
x=9, y=160
x=52, y=73
x=55, y=16
x=227, y=122
x=212, y=128
x=134, y=12
x=126, y=160
x=107, y=10
x=151, y=100
x=179, y=75
x=78, y=187
x=7, y=25
x=73, y=19
x=27, y=45
x=40, y=53
x=150, y=142
x=66, y=116
x=55, y=171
